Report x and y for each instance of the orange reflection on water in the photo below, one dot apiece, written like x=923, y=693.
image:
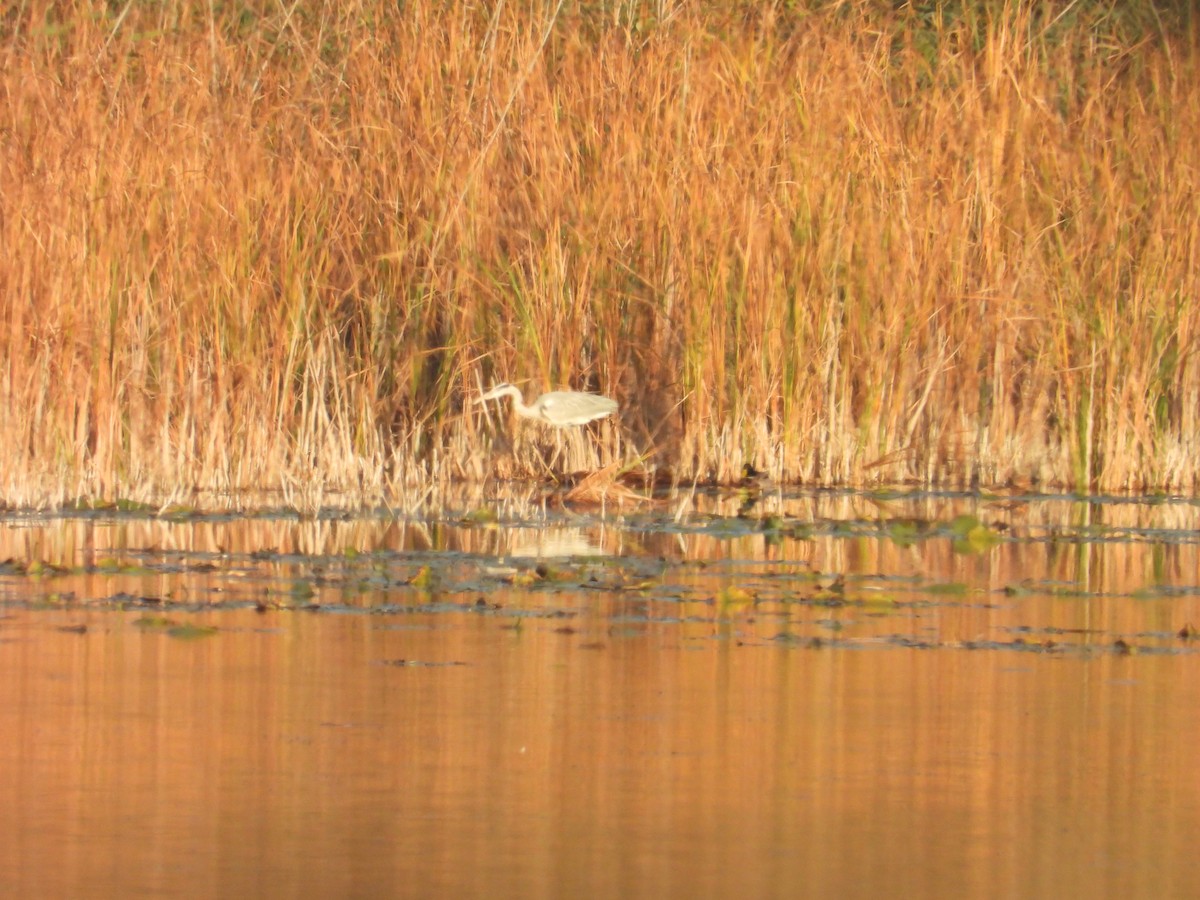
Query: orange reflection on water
x=291, y=754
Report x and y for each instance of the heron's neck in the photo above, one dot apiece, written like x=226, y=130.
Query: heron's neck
x=519, y=403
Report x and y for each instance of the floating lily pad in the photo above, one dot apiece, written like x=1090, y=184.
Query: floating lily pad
x=190, y=632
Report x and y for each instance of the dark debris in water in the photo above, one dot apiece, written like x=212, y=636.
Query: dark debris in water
x=422, y=663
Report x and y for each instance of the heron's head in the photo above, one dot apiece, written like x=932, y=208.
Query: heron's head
x=498, y=391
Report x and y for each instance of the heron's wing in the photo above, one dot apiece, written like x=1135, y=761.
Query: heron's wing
x=573, y=407
x=553, y=405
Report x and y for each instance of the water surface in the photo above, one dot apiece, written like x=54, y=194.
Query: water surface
x=804, y=700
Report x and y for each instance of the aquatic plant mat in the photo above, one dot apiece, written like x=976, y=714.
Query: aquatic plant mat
x=280, y=246
x=796, y=570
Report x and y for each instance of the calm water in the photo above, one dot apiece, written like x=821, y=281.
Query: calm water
x=701, y=706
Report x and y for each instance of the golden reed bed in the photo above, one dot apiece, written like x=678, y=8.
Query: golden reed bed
x=281, y=246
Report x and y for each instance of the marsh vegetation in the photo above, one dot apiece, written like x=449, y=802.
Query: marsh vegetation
x=252, y=245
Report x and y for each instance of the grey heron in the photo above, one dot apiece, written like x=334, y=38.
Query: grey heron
x=559, y=408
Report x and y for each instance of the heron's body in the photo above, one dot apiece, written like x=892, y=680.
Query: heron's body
x=559, y=408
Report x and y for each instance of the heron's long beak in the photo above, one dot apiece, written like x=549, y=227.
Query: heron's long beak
x=489, y=395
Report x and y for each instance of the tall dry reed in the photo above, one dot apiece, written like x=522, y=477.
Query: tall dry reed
x=258, y=245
